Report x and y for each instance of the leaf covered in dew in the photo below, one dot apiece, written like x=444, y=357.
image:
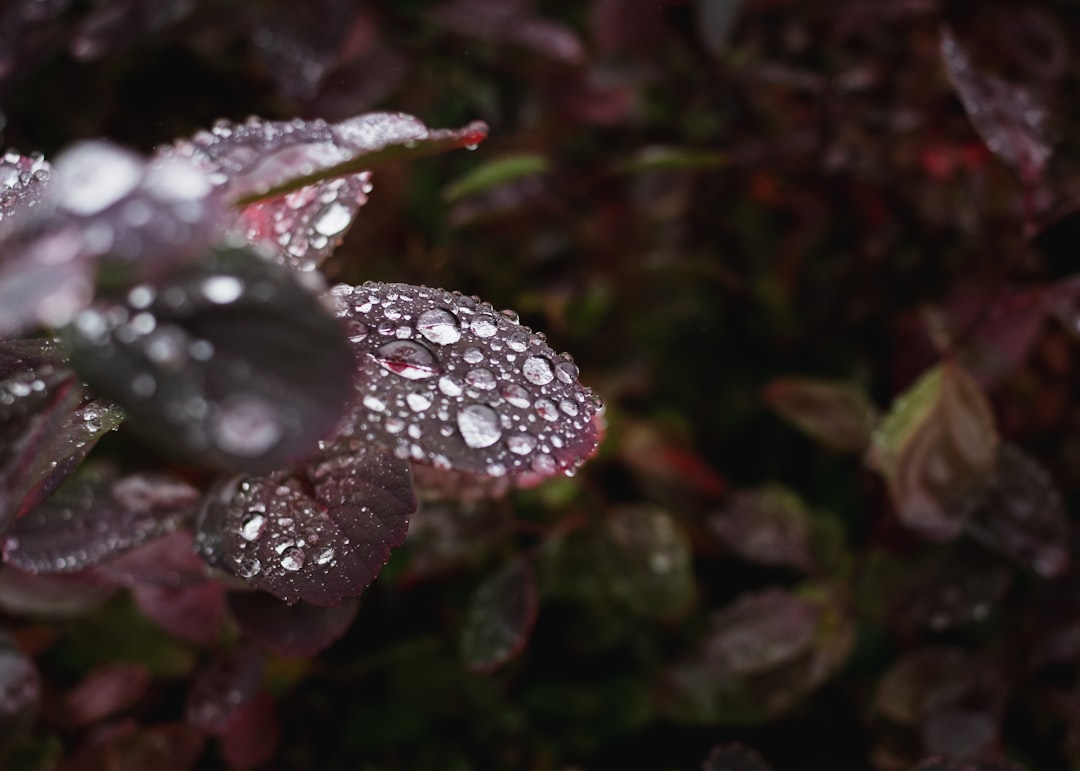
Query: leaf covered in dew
x=300, y=630
x=95, y=516
x=105, y=213
x=1020, y=514
x=447, y=381
x=734, y=757
x=1012, y=121
x=319, y=533
x=232, y=363
x=937, y=444
x=837, y=414
x=22, y=178
x=500, y=617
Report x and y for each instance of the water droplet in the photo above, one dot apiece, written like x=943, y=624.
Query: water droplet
x=484, y=326
x=247, y=426
x=222, y=290
x=333, y=219
x=479, y=425
x=248, y=567
x=93, y=176
x=292, y=559
x=480, y=378
x=546, y=409
x=516, y=395
x=569, y=407
x=418, y=402
x=253, y=528
x=544, y=464
x=408, y=359
x=450, y=387
x=538, y=370
x=521, y=444
x=473, y=356
x=518, y=341
x=567, y=371
x=374, y=403
x=439, y=325
x=324, y=556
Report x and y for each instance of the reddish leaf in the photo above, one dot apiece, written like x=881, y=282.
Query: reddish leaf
x=227, y=684
x=299, y=630
x=105, y=691
x=500, y=617
x=51, y=596
x=320, y=533
x=838, y=415
x=445, y=380
x=170, y=561
x=94, y=517
x=511, y=22
x=1009, y=118
x=734, y=757
x=770, y=526
x=128, y=746
x=252, y=736
x=936, y=445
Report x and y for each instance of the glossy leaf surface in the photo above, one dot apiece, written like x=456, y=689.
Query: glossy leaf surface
x=232, y=363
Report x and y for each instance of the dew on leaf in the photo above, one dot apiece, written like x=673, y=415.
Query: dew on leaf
x=408, y=359
x=479, y=425
x=438, y=325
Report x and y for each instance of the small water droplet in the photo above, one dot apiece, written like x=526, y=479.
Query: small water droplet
x=248, y=567
x=521, y=444
x=538, y=370
x=484, y=326
x=450, y=387
x=546, y=409
x=479, y=425
x=480, y=378
x=473, y=356
x=222, y=290
x=516, y=395
x=407, y=358
x=518, y=341
x=333, y=219
x=253, y=528
x=324, y=556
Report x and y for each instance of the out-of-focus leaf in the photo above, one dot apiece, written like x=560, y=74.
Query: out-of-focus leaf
x=937, y=444
x=1011, y=120
x=770, y=526
x=105, y=691
x=759, y=657
x=252, y=735
x=444, y=535
x=225, y=685
x=660, y=158
x=715, y=20
x=734, y=757
x=645, y=559
x=837, y=414
x=320, y=533
x=511, y=22
x=95, y=516
x=1021, y=514
x=51, y=596
x=232, y=363
x=167, y=561
x=497, y=172
x=127, y=746
x=299, y=630
x=445, y=380
x=978, y=764
x=659, y=457
x=20, y=685
x=259, y=159
x=500, y=617
x=22, y=179
x=958, y=586
x=111, y=27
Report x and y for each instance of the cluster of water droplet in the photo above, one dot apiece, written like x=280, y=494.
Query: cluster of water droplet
x=21, y=179
x=446, y=380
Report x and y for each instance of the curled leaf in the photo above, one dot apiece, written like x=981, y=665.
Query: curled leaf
x=320, y=533
x=839, y=415
x=232, y=363
x=445, y=380
x=937, y=444
x=500, y=617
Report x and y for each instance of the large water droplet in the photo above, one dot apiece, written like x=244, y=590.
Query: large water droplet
x=253, y=528
x=439, y=325
x=292, y=559
x=333, y=220
x=247, y=426
x=516, y=395
x=538, y=370
x=93, y=176
x=484, y=326
x=450, y=387
x=418, y=402
x=409, y=359
x=248, y=567
x=222, y=290
x=479, y=425
x=521, y=444
x=480, y=378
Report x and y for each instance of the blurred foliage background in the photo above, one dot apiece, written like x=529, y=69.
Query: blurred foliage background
x=695, y=198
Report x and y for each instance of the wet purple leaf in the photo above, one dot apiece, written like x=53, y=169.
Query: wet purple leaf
x=299, y=630
x=734, y=757
x=232, y=363
x=1011, y=120
x=169, y=561
x=769, y=526
x=839, y=415
x=95, y=516
x=228, y=682
x=445, y=380
x=1021, y=515
x=937, y=444
x=105, y=691
x=22, y=178
x=320, y=533
x=51, y=596
x=500, y=617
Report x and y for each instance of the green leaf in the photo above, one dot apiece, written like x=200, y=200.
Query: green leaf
x=494, y=173
x=836, y=414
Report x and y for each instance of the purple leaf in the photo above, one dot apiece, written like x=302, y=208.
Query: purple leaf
x=511, y=22
x=252, y=736
x=51, y=596
x=769, y=526
x=838, y=415
x=1021, y=514
x=937, y=444
x=105, y=691
x=22, y=178
x=734, y=757
x=299, y=630
x=445, y=380
x=952, y=764
x=1011, y=120
x=20, y=684
x=500, y=618
x=232, y=363
x=960, y=586
x=127, y=746
x=227, y=683
x=194, y=613
x=170, y=561
x=320, y=533
x=94, y=517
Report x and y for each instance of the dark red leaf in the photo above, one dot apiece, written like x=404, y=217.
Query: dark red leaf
x=299, y=630
x=51, y=596
x=770, y=526
x=500, y=617
x=194, y=612
x=644, y=557
x=228, y=683
x=232, y=363
x=959, y=586
x=318, y=534
x=445, y=380
x=252, y=736
x=105, y=691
